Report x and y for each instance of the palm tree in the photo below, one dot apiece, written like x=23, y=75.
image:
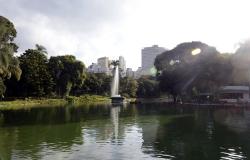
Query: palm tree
x=41, y=49
x=115, y=63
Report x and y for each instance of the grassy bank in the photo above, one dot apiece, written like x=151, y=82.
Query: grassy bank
x=87, y=99
x=30, y=103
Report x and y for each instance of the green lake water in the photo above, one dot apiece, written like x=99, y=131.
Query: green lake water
x=133, y=132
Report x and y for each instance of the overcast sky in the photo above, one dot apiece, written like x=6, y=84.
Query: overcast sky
x=94, y=28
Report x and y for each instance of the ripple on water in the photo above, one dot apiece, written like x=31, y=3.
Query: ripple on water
x=232, y=153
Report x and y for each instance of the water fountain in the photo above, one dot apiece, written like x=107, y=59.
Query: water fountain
x=115, y=97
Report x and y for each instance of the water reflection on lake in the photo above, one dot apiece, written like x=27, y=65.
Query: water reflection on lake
x=152, y=131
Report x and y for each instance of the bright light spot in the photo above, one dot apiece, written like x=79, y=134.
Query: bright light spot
x=196, y=51
x=153, y=71
x=171, y=62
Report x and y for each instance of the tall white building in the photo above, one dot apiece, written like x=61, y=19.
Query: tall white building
x=102, y=66
x=122, y=66
x=103, y=62
x=94, y=68
x=148, y=55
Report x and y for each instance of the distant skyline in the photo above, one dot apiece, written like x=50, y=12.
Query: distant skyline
x=90, y=29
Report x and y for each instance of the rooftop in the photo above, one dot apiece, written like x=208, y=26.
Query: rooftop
x=235, y=88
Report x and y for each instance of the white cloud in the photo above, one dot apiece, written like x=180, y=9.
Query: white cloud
x=94, y=28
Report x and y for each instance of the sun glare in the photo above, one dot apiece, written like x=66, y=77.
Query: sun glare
x=196, y=51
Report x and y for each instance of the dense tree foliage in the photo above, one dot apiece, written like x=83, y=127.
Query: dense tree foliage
x=36, y=79
x=192, y=66
x=148, y=87
x=67, y=73
x=96, y=83
x=188, y=69
x=128, y=87
x=9, y=64
x=241, y=64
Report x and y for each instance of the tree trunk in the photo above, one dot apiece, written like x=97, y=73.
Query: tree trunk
x=175, y=98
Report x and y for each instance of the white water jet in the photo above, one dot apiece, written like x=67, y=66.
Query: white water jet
x=115, y=83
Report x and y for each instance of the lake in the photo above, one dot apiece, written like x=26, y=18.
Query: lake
x=143, y=131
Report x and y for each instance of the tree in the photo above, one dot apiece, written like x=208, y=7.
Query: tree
x=128, y=87
x=215, y=71
x=184, y=53
x=115, y=63
x=183, y=68
x=67, y=73
x=97, y=83
x=36, y=79
x=241, y=64
x=41, y=49
x=9, y=64
x=147, y=87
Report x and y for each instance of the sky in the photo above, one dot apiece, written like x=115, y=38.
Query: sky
x=90, y=29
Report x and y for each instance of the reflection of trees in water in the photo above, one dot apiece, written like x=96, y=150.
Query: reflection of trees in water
x=196, y=137
x=28, y=141
x=182, y=132
x=1, y=119
x=237, y=119
x=8, y=140
x=153, y=121
x=59, y=129
x=237, y=122
x=54, y=115
x=27, y=133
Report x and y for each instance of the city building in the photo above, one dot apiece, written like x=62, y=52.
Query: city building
x=103, y=62
x=122, y=66
x=234, y=94
x=94, y=68
x=148, y=55
x=138, y=73
x=103, y=66
x=130, y=73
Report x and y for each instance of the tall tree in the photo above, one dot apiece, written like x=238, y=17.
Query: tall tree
x=148, y=87
x=36, y=79
x=192, y=65
x=241, y=64
x=97, y=83
x=9, y=64
x=67, y=73
x=128, y=87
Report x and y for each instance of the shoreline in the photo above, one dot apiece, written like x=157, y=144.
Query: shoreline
x=47, y=102
x=28, y=103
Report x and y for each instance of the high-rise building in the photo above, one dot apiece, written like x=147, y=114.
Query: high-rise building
x=122, y=63
x=122, y=66
x=138, y=73
x=94, y=68
x=103, y=62
x=148, y=57
x=130, y=73
x=102, y=66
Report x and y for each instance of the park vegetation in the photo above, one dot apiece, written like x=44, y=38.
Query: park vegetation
x=193, y=68
x=35, y=75
x=186, y=71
